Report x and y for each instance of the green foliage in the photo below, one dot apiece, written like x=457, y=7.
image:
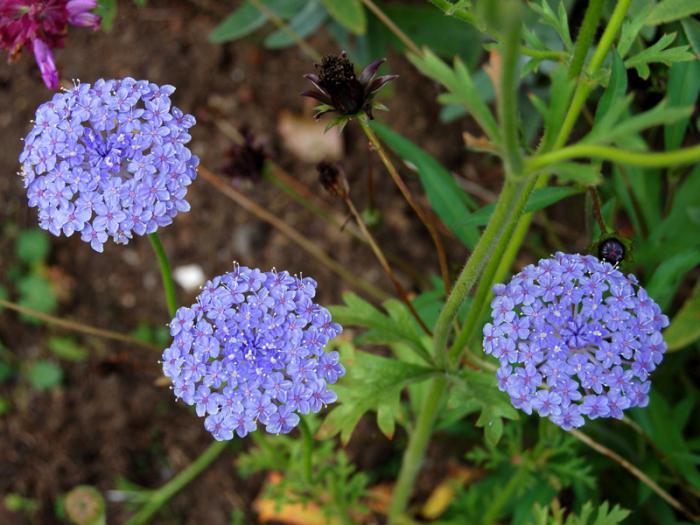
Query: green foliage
x=303, y=23
x=43, y=375
x=32, y=246
x=659, y=52
x=589, y=515
x=247, y=18
x=373, y=383
x=480, y=389
x=685, y=325
x=450, y=202
x=333, y=482
x=670, y=10
x=66, y=348
x=348, y=13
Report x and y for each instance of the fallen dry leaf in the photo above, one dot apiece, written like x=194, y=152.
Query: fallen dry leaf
x=305, y=137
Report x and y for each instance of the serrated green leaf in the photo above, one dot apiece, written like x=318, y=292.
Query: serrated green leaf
x=248, y=18
x=397, y=327
x=373, y=383
x=33, y=246
x=348, y=13
x=685, y=325
x=539, y=199
x=66, y=348
x=559, y=21
x=304, y=23
x=445, y=195
x=43, y=375
x=670, y=10
x=659, y=52
x=462, y=89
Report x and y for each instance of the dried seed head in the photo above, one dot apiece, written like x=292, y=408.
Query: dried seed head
x=333, y=179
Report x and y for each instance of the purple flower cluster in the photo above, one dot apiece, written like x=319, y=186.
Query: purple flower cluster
x=108, y=160
x=250, y=351
x=575, y=337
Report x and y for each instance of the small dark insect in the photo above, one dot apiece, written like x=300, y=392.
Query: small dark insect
x=611, y=250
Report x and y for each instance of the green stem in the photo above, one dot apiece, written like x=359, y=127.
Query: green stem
x=508, y=92
x=306, y=447
x=165, y=273
x=417, y=445
x=584, y=88
x=645, y=159
x=161, y=496
x=585, y=36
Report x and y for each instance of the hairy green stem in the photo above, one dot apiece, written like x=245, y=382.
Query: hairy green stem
x=166, y=274
x=584, y=87
x=417, y=445
x=585, y=36
x=161, y=496
x=508, y=92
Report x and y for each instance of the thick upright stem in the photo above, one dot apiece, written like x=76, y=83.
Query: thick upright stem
x=166, y=274
x=417, y=445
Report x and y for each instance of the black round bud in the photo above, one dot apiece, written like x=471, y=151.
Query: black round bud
x=611, y=250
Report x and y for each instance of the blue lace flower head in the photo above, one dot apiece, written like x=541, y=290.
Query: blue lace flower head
x=575, y=337
x=251, y=351
x=108, y=160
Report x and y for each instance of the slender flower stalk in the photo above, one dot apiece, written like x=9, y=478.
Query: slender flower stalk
x=165, y=272
x=408, y=196
x=161, y=496
x=75, y=326
x=310, y=247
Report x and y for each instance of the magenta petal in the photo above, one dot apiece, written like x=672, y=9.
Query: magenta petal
x=47, y=66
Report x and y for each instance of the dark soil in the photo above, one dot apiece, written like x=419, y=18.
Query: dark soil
x=110, y=419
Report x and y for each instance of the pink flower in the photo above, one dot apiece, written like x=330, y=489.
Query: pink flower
x=44, y=25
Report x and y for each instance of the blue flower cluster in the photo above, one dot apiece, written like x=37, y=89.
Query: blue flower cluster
x=108, y=160
x=575, y=337
x=250, y=351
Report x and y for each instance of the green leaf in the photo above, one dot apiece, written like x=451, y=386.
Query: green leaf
x=43, y=375
x=669, y=275
x=615, y=91
x=66, y=348
x=35, y=292
x=397, y=327
x=4, y=406
x=554, y=114
x=107, y=9
x=248, y=18
x=427, y=26
x=559, y=21
x=348, y=13
x=685, y=326
x=373, y=383
x=659, y=52
x=445, y=195
x=462, y=89
x=539, y=199
x=683, y=90
x=33, y=246
x=303, y=24
x=670, y=10
x=691, y=28
x=482, y=388
x=661, y=114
